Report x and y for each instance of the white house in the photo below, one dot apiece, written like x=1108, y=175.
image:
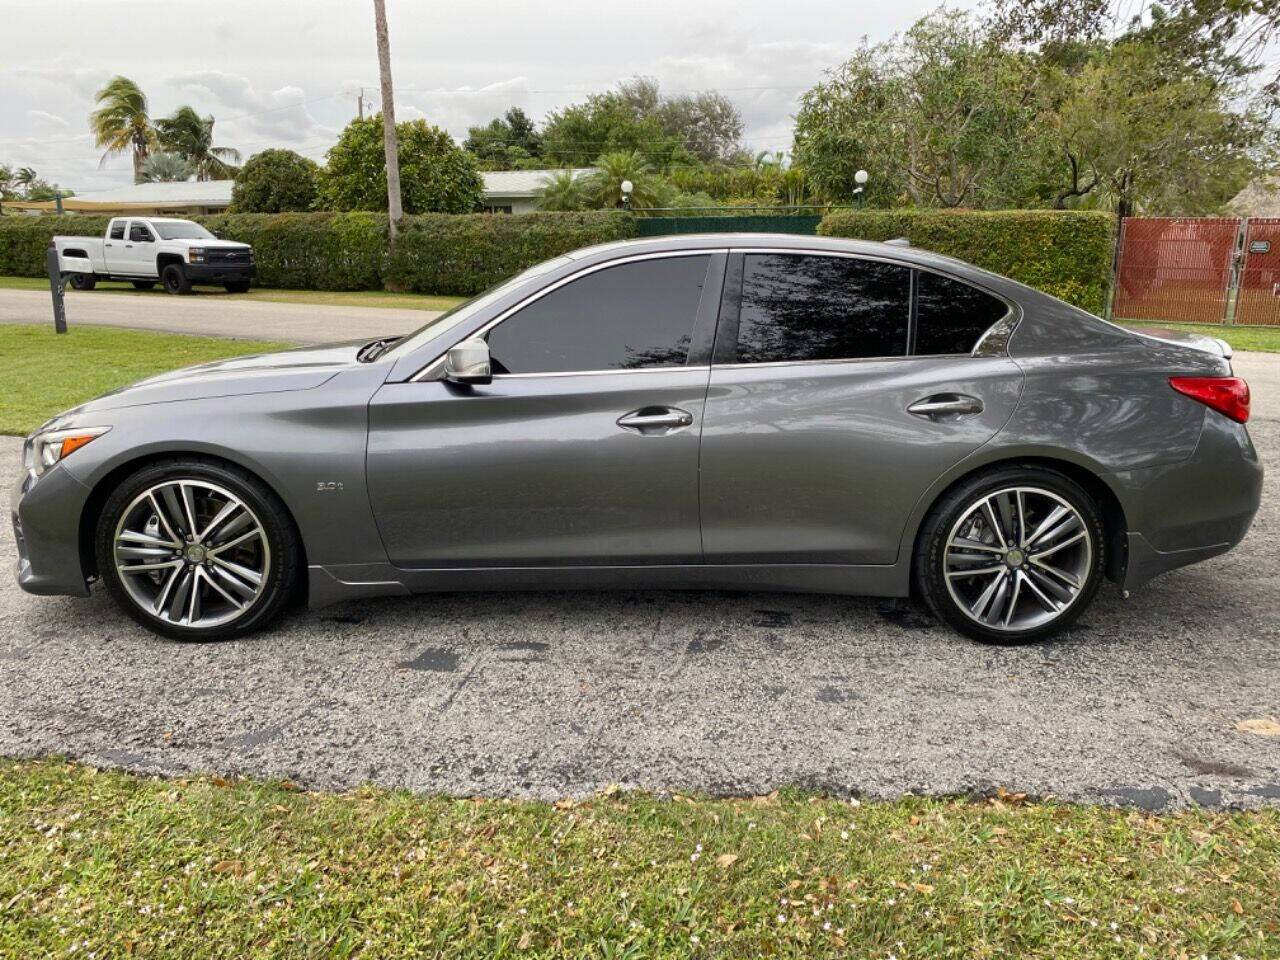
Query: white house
x=505, y=191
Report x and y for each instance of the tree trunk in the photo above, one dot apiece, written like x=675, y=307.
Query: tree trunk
x=388, y=117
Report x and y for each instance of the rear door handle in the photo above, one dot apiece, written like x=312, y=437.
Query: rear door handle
x=655, y=421
x=946, y=405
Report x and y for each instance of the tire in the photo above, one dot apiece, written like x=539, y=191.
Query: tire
x=83, y=281
x=1050, y=572
x=175, y=279
x=239, y=286
x=143, y=284
x=145, y=521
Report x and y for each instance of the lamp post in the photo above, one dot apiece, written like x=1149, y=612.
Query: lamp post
x=627, y=187
x=860, y=191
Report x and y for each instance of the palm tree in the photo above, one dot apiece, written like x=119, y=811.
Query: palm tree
x=390, y=149
x=560, y=191
x=26, y=179
x=190, y=136
x=603, y=188
x=121, y=122
x=165, y=168
x=6, y=179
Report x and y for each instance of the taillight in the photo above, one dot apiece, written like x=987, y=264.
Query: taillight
x=1228, y=395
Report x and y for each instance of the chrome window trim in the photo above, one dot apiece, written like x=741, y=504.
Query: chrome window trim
x=425, y=371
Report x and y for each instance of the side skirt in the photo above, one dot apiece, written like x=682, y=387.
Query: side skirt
x=333, y=584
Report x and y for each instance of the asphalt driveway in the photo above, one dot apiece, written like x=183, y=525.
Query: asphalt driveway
x=214, y=315
x=546, y=695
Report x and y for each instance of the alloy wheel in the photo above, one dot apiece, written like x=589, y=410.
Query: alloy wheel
x=1018, y=558
x=191, y=553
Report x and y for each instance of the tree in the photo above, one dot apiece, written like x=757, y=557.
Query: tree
x=561, y=191
x=390, y=149
x=603, y=188
x=121, y=123
x=940, y=116
x=26, y=178
x=438, y=176
x=636, y=117
x=166, y=168
x=276, y=181
x=6, y=180
x=505, y=143
x=190, y=136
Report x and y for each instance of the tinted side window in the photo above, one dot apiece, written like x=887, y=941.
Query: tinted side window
x=626, y=317
x=139, y=232
x=951, y=316
x=801, y=307
x=117, y=230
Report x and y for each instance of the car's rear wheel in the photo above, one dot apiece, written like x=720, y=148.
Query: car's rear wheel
x=83, y=281
x=175, y=279
x=237, y=286
x=197, y=550
x=1011, y=556
x=143, y=284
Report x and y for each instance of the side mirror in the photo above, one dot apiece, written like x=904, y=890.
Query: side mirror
x=468, y=362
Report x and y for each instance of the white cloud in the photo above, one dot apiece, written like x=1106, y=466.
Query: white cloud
x=280, y=113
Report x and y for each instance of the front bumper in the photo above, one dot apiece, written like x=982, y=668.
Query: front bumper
x=219, y=272
x=46, y=526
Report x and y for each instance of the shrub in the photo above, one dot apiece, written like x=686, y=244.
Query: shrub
x=438, y=253
x=275, y=181
x=1066, y=253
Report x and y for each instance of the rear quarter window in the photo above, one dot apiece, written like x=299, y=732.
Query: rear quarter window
x=951, y=315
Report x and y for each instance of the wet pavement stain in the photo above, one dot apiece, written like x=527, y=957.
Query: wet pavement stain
x=906, y=615
x=1208, y=767
x=836, y=695
x=1150, y=798
x=255, y=738
x=704, y=642
x=434, y=659
x=771, y=618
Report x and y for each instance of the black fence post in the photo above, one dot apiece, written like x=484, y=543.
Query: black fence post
x=58, y=287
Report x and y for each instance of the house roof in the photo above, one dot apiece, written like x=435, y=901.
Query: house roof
x=521, y=183
x=1261, y=198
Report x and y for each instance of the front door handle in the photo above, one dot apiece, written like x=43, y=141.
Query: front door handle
x=946, y=405
x=655, y=421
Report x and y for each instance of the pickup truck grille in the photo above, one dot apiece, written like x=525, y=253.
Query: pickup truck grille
x=228, y=256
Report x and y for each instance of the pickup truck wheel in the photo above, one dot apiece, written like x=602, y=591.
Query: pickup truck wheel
x=175, y=279
x=143, y=284
x=238, y=286
x=83, y=281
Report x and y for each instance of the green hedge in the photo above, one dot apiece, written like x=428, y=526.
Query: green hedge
x=437, y=253
x=1065, y=253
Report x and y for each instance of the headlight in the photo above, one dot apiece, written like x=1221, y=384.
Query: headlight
x=195, y=255
x=42, y=450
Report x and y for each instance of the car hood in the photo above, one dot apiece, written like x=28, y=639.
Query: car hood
x=300, y=369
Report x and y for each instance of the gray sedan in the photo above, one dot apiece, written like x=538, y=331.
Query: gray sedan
x=728, y=412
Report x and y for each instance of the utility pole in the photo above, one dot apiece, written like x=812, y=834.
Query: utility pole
x=388, y=117
x=360, y=103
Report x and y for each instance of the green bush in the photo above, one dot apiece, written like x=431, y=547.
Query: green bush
x=437, y=253
x=23, y=240
x=1066, y=253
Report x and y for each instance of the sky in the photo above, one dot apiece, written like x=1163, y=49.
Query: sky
x=287, y=73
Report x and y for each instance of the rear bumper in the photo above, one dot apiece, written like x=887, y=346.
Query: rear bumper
x=1191, y=511
x=46, y=526
x=219, y=272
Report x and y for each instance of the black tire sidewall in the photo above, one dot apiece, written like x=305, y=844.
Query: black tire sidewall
x=929, y=573
x=82, y=281
x=282, y=540
x=174, y=280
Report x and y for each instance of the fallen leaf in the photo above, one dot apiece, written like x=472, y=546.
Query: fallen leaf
x=923, y=887
x=290, y=786
x=228, y=866
x=610, y=790
x=1262, y=726
x=727, y=859
x=525, y=940
x=567, y=803
x=220, y=781
x=1236, y=906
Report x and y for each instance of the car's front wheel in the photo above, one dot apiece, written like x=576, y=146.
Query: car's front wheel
x=175, y=279
x=197, y=550
x=83, y=281
x=1011, y=556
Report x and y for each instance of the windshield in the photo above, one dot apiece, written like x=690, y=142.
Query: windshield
x=469, y=308
x=181, y=230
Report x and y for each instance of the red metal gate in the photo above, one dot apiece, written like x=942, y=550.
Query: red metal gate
x=1258, y=299
x=1174, y=269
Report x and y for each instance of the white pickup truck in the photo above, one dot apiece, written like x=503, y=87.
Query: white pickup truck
x=144, y=250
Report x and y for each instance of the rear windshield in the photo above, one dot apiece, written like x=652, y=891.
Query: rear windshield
x=181, y=230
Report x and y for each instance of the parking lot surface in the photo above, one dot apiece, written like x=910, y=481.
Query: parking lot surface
x=547, y=695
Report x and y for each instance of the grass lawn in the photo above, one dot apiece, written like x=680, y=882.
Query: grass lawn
x=117, y=865
x=1265, y=339
x=44, y=373
x=329, y=298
